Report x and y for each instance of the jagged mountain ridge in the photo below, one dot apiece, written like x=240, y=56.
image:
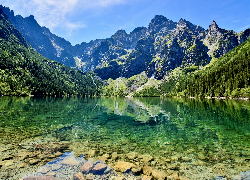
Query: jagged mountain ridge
x=158, y=49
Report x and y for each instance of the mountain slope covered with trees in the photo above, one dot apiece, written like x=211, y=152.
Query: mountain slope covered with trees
x=23, y=71
x=228, y=76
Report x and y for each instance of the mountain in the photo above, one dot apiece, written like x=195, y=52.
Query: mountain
x=23, y=71
x=157, y=49
x=228, y=76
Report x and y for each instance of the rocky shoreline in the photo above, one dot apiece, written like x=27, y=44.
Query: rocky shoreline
x=52, y=160
x=68, y=166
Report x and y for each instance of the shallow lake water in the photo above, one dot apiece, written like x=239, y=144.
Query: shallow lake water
x=198, y=139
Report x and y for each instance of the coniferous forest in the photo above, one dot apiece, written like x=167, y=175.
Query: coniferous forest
x=23, y=71
x=227, y=76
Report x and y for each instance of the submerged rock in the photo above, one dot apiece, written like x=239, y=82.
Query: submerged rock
x=99, y=168
x=123, y=166
x=70, y=161
x=114, y=156
x=159, y=174
x=147, y=170
x=132, y=155
x=87, y=167
x=146, y=158
x=78, y=176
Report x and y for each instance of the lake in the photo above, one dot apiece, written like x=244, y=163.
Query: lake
x=198, y=139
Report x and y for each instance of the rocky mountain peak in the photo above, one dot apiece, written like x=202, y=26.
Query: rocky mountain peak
x=119, y=34
x=159, y=22
x=184, y=23
x=138, y=30
x=213, y=26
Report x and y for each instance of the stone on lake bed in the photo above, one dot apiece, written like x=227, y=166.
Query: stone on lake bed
x=132, y=155
x=91, y=153
x=9, y=157
x=114, y=155
x=78, y=176
x=159, y=174
x=90, y=176
x=136, y=169
x=34, y=161
x=146, y=157
x=147, y=170
x=70, y=160
x=99, y=168
x=104, y=157
x=201, y=156
x=21, y=165
x=43, y=170
x=174, y=158
x=55, y=167
x=7, y=163
x=186, y=159
x=123, y=166
x=87, y=167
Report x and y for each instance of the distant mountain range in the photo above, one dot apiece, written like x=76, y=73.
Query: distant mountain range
x=157, y=49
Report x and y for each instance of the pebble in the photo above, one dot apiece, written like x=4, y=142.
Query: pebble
x=147, y=170
x=99, y=168
x=136, y=169
x=34, y=161
x=90, y=176
x=70, y=161
x=87, y=167
x=91, y=153
x=21, y=165
x=157, y=174
x=186, y=159
x=78, y=176
x=132, y=155
x=114, y=155
x=146, y=158
x=123, y=166
x=55, y=167
x=43, y=170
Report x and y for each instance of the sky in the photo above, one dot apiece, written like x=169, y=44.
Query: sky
x=80, y=21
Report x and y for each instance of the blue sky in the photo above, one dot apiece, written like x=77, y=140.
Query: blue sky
x=84, y=20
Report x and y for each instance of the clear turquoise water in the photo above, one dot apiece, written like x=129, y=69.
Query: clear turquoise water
x=219, y=129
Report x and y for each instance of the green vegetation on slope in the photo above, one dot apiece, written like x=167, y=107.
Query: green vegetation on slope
x=138, y=86
x=23, y=71
x=227, y=76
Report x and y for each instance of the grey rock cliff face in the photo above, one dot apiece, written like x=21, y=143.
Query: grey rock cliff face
x=157, y=49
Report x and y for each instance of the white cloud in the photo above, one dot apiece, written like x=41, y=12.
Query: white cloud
x=55, y=13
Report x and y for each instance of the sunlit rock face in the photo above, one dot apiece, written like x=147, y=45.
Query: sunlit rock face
x=156, y=49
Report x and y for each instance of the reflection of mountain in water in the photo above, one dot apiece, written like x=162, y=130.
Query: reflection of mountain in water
x=194, y=117
x=172, y=120
x=145, y=110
